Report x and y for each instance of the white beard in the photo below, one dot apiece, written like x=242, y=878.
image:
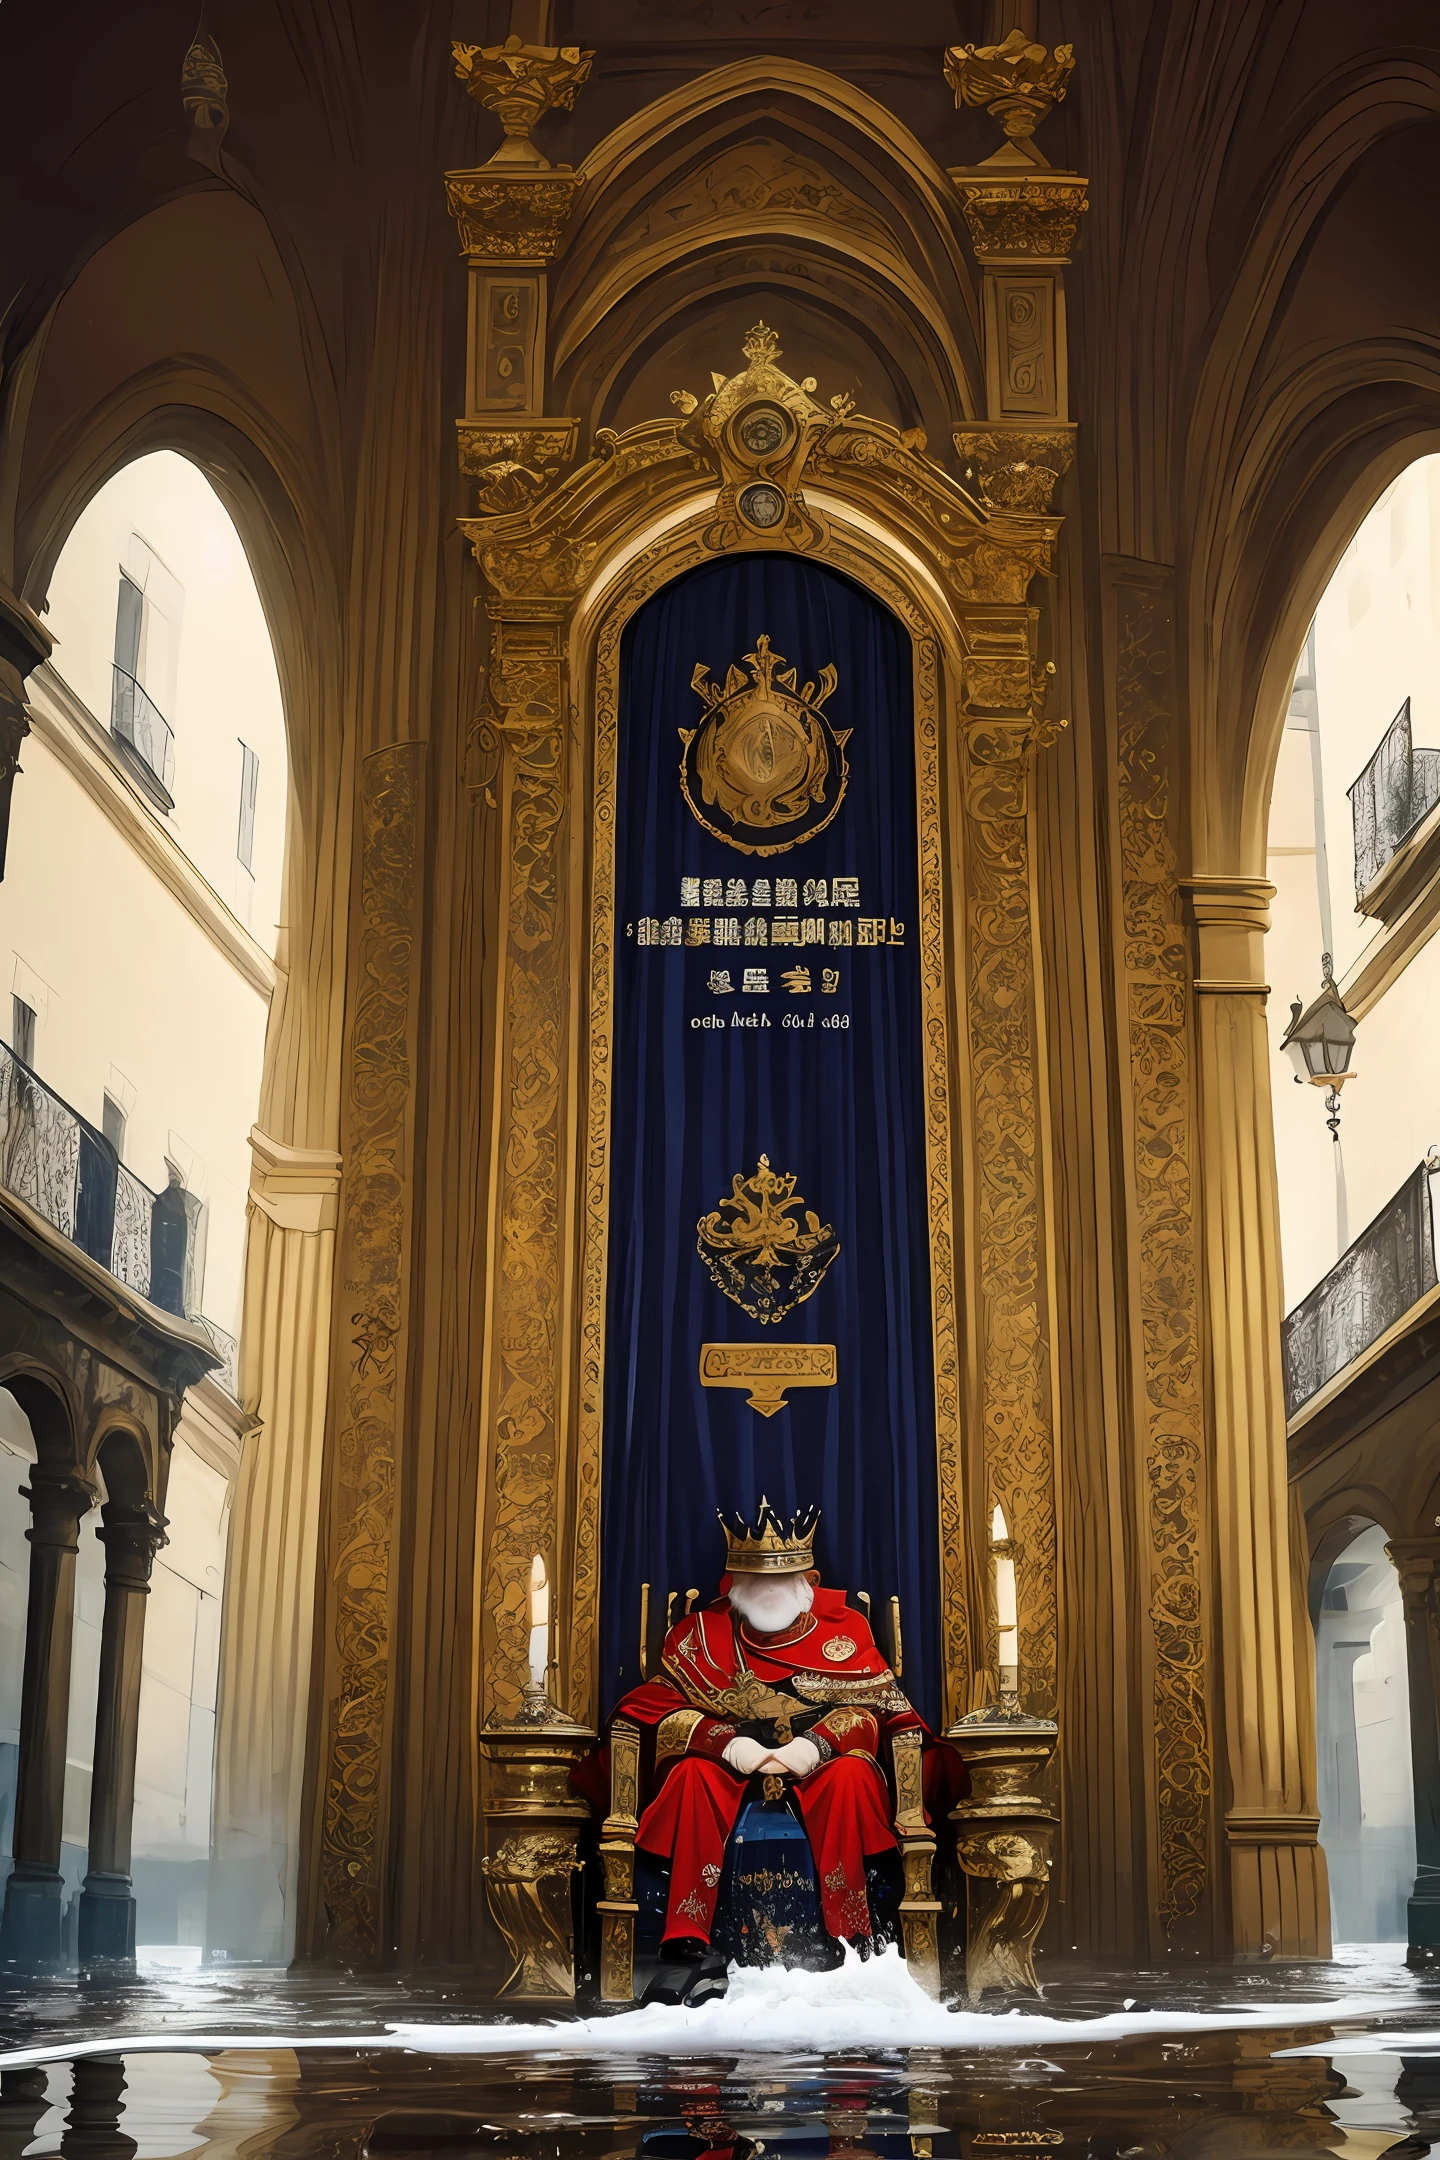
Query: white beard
x=769, y=1603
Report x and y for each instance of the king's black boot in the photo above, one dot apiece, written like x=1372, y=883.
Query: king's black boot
x=711, y=1981
x=677, y=1973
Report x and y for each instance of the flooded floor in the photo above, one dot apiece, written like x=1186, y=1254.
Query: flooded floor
x=1218, y=2063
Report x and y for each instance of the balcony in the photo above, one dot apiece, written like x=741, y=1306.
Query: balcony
x=68, y=1172
x=1388, y=803
x=1375, y=1282
x=145, y=737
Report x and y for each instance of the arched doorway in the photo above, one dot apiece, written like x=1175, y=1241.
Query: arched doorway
x=1367, y=1807
x=137, y=1028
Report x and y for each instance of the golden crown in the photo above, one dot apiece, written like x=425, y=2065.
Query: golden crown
x=766, y=1547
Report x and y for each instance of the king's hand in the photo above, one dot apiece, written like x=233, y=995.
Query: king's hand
x=796, y=1759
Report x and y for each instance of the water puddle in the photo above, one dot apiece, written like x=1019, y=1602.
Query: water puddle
x=1215, y=2064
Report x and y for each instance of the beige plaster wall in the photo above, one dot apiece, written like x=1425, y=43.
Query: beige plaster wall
x=1377, y=641
x=214, y=676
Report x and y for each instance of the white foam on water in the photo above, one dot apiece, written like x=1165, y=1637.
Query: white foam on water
x=866, y=2006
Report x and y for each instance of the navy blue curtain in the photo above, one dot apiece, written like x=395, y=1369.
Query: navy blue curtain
x=825, y=1080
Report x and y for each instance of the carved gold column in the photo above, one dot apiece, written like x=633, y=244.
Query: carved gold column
x=1158, y=1118
x=367, y=1413
x=1014, y=1411
x=1279, y=1899
x=1021, y=218
x=526, y=743
x=512, y=214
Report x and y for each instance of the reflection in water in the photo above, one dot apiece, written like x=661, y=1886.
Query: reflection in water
x=1214, y=2096
x=1355, y=2081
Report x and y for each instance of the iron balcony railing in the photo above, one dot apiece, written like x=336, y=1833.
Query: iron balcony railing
x=1374, y=1283
x=1398, y=788
x=138, y=721
x=68, y=1172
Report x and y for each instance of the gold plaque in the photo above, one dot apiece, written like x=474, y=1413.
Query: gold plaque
x=767, y=1369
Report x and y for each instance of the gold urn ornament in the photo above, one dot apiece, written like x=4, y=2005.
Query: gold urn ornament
x=764, y=770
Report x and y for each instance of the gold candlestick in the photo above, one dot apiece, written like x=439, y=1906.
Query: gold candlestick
x=532, y=1827
x=1005, y=1832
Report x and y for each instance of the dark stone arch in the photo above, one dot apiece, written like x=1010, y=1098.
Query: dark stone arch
x=49, y=1406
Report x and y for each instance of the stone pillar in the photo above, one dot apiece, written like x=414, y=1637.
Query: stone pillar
x=30, y=1935
x=1279, y=1896
x=131, y=1534
x=1417, y=1562
x=270, y=1569
x=97, y=2104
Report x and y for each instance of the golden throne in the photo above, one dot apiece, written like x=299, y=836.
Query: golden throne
x=619, y=1907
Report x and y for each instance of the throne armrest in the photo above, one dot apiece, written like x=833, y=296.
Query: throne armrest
x=618, y=1908
x=919, y=1908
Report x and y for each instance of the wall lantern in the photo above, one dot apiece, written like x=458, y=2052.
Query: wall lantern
x=1319, y=1041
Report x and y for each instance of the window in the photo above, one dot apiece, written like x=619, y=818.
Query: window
x=128, y=614
x=22, y=1029
x=112, y=1123
x=148, y=610
x=249, y=788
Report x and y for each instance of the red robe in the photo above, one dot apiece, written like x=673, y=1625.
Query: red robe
x=822, y=1679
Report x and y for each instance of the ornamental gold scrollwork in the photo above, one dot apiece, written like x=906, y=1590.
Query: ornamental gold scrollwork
x=1036, y=218
x=1016, y=468
x=371, y=1242
x=758, y=429
x=503, y=218
x=1014, y=1411
x=1162, y=1166
x=524, y=1386
x=514, y=464
x=527, y=1885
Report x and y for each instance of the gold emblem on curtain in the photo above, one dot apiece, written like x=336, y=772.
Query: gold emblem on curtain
x=765, y=757
x=755, y=1249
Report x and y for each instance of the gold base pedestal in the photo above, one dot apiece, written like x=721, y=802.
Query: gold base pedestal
x=532, y=1826
x=1005, y=1834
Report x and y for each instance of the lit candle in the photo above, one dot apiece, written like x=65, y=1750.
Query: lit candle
x=539, y=1622
x=1007, y=1625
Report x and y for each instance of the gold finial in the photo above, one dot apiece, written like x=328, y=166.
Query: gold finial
x=520, y=83
x=762, y=346
x=1018, y=81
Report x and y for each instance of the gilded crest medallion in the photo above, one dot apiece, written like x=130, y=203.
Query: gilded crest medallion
x=764, y=770
x=838, y=1649
x=756, y=1250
